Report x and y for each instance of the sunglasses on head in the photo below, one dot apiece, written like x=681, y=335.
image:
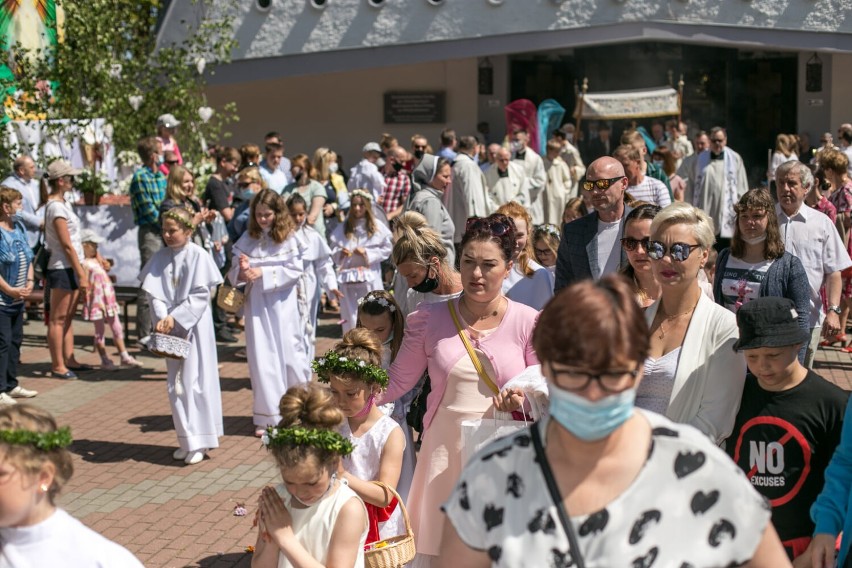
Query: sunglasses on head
x=678, y=251
x=496, y=228
x=629, y=243
x=590, y=184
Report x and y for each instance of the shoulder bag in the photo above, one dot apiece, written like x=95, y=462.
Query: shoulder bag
x=555, y=496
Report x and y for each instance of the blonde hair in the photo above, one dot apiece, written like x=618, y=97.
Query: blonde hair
x=321, y=160
x=417, y=242
x=252, y=174
x=174, y=191
x=28, y=459
x=683, y=213
x=307, y=406
x=515, y=210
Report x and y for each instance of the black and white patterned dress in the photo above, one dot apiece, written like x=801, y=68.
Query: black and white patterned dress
x=689, y=506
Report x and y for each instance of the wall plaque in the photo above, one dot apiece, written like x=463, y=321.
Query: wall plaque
x=423, y=107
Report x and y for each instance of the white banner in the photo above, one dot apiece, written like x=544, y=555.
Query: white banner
x=641, y=103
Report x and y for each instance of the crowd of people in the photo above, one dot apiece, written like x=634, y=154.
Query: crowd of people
x=653, y=315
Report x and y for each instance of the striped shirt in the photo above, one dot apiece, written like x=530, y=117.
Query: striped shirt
x=650, y=191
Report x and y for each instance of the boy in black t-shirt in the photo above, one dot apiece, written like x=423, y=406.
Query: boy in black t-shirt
x=789, y=420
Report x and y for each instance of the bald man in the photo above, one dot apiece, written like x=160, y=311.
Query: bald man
x=591, y=245
x=507, y=181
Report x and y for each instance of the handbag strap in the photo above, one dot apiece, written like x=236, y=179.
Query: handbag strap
x=555, y=496
x=477, y=364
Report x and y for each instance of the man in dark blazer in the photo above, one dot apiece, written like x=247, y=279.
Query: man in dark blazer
x=600, y=146
x=591, y=245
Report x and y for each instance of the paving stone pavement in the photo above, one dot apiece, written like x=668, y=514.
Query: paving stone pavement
x=126, y=484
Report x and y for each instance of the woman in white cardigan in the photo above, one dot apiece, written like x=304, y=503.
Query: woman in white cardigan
x=692, y=374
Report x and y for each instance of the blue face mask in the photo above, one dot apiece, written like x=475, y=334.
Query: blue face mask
x=590, y=420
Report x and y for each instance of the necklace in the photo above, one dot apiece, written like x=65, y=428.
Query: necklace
x=667, y=317
x=480, y=318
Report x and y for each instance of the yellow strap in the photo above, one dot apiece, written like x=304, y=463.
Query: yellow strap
x=477, y=364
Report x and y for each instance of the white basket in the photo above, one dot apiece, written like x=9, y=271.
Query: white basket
x=168, y=346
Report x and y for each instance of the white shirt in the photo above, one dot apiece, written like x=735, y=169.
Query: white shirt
x=366, y=175
x=276, y=179
x=608, y=256
x=848, y=151
x=650, y=190
x=61, y=210
x=812, y=237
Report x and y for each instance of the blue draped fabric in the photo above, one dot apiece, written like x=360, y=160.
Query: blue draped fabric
x=550, y=115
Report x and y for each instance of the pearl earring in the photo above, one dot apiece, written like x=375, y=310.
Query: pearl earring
x=44, y=487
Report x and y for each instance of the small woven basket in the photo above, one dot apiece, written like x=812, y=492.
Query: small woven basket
x=400, y=549
x=168, y=346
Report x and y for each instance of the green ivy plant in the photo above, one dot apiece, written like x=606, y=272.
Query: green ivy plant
x=109, y=58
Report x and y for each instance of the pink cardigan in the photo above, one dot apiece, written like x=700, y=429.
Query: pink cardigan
x=432, y=341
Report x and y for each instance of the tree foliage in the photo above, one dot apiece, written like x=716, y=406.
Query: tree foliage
x=109, y=60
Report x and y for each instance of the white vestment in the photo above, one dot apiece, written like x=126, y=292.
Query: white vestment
x=356, y=274
x=61, y=540
x=513, y=187
x=717, y=186
x=560, y=188
x=537, y=179
x=275, y=342
x=468, y=195
x=318, y=275
x=178, y=283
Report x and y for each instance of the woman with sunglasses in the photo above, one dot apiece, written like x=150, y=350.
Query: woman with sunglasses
x=691, y=374
x=528, y=282
x=637, y=233
x=600, y=483
x=500, y=334
x=756, y=264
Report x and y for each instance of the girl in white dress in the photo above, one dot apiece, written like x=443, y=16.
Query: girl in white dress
x=545, y=246
x=270, y=259
x=319, y=269
x=34, y=466
x=314, y=518
x=378, y=312
x=353, y=372
x=358, y=247
x=528, y=282
x=178, y=280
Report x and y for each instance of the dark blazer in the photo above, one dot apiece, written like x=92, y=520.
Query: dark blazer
x=573, y=261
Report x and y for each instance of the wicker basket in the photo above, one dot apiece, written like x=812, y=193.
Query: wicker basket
x=400, y=549
x=168, y=346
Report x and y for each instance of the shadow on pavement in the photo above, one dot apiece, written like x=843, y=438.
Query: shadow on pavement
x=231, y=560
x=234, y=425
x=107, y=451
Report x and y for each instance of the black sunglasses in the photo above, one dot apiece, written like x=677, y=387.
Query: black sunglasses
x=496, y=228
x=590, y=184
x=678, y=251
x=629, y=243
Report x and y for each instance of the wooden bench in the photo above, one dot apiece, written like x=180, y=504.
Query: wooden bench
x=124, y=295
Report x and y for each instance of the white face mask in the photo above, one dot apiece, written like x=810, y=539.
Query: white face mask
x=755, y=240
x=332, y=168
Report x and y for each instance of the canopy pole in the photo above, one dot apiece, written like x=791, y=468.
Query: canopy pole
x=582, y=104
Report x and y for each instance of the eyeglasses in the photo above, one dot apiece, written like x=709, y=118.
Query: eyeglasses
x=602, y=184
x=246, y=183
x=543, y=252
x=496, y=228
x=629, y=243
x=612, y=381
x=678, y=251
x=171, y=162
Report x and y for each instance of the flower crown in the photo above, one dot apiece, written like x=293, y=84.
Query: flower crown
x=175, y=217
x=549, y=229
x=333, y=363
x=362, y=193
x=328, y=440
x=372, y=298
x=44, y=441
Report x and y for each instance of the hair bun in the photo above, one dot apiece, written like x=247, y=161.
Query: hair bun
x=311, y=406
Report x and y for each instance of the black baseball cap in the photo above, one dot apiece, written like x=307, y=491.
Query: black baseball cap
x=769, y=322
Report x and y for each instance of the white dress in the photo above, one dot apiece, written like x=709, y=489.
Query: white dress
x=275, y=342
x=534, y=291
x=313, y=526
x=61, y=540
x=355, y=274
x=365, y=460
x=178, y=283
x=318, y=274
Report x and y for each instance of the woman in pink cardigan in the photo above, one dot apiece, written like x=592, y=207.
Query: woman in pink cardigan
x=500, y=332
